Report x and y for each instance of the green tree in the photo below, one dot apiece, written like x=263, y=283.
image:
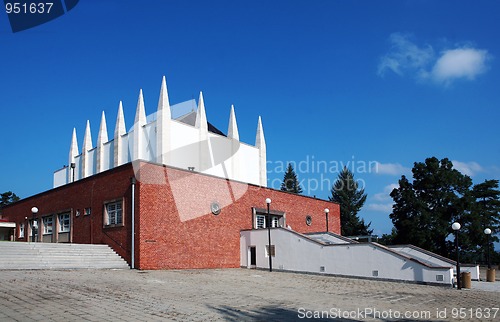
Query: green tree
x=345, y=191
x=290, y=182
x=424, y=209
x=484, y=213
x=6, y=199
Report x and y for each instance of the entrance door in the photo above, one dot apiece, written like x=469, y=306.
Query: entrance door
x=253, y=257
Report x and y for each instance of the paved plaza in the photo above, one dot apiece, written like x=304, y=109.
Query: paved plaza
x=231, y=295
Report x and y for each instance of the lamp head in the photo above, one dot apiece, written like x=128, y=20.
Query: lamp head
x=487, y=231
x=268, y=200
x=34, y=210
x=327, y=210
x=456, y=226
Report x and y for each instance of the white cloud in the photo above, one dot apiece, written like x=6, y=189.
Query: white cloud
x=468, y=168
x=385, y=195
x=389, y=168
x=460, y=63
x=380, y=207
x=407, y=58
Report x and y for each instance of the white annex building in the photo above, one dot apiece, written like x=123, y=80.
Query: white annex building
x=185, y=141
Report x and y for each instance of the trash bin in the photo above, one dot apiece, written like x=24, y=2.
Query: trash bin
x=490, y=275
x=465, y=280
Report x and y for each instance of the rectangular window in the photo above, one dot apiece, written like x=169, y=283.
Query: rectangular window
x=64, y=223
x=114, y=213
x=273, y=250
x=21, y=231
x=260, y=221
x=87, y=211
x=275, y=221
x=47, y=225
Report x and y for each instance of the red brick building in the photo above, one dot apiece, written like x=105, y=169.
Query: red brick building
x=182, y=219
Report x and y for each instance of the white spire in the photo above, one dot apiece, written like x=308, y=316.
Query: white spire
x=119, y=131
x=163, y=119
x=232, y=129
x=139, y=122
x=260, y=143
x=163, y=102
x=102, y=138
x=87, y=139
x=201, y=116
x=140, y=112
x=73, y=152
x=87, y=146
x=73, y=149
x=120, y=122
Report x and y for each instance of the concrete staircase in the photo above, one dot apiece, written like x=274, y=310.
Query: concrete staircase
x=22, y=255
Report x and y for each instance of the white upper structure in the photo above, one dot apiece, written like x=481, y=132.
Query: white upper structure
x=187, y=141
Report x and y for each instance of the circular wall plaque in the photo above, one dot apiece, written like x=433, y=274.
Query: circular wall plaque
x=215, y=208
x=308, y=220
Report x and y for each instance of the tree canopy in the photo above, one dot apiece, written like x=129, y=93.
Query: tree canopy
x=345, y=191
x=290, y=181
x=7, y=198
x=424, y=209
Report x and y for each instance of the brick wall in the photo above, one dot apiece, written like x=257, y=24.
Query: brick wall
x=178, y=229
x=175, y=227
x=91, y=192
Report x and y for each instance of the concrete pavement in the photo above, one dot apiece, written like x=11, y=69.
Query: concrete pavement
x=230, y=295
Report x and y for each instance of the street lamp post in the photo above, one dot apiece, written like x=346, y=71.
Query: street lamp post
x=487, y=231
x=268, y=202
x=326, y=214
x=34, y=211
x=73, y=166
x=456, y=227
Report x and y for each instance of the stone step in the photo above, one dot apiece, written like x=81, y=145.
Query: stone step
x=26, y=255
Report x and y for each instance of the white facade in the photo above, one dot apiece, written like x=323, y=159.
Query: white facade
x=300, y=253
x=187, y=142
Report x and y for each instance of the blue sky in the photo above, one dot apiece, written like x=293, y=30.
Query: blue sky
x=391, y=82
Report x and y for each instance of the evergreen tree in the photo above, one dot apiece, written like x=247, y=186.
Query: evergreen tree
x=484, y=213
x=424, y=210
x=346, y=193
x=290, y=182
x=7, y=198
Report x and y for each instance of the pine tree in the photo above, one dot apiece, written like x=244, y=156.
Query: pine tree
x=346, y=193
x=290, y=182
x=7, y=198
x=424, y=209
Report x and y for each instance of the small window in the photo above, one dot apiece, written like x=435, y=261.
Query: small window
x=375, y=273
x=275, y=221
x=87, y=211
x=64, y=223
x=47, y=225
x=322, y=269
x=114, y=213
x=273, y=250
x=439, y=278
x=261, y=221
x=21, y=231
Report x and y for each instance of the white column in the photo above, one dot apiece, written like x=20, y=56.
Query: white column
x=260, y=143
x=118, y=138
x=102, y=138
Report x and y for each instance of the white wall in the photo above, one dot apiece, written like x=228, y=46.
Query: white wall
x=216, y=155
x=435, y=259
x=296, y=252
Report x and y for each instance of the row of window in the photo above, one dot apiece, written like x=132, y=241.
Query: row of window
x=113, y=216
